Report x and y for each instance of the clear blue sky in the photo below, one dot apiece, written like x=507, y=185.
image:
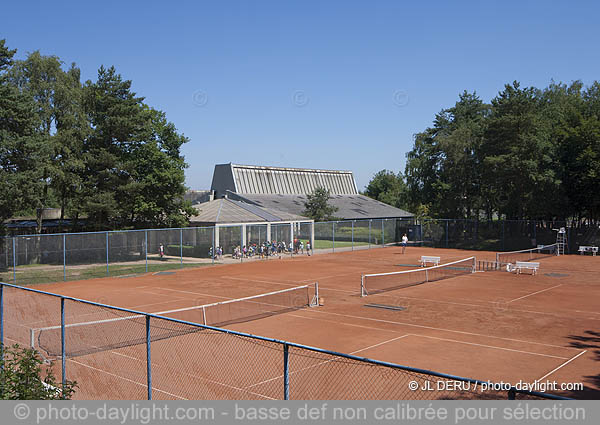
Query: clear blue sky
x=316, y=84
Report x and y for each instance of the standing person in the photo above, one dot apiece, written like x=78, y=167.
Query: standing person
x=308, y=248
x=404, y=242
x=161, y=251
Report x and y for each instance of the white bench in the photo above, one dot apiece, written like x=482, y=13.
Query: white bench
x=525, y=265
x=592, y=249
x=429, y=259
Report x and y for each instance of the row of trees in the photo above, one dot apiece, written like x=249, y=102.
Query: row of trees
x=92, y=149
x=530, y=154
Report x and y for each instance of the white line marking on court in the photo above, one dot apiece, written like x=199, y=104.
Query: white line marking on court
x=326, y=361
x=194, y=293
x=290, y=284
x=381, y=343
x=494, y=303
x=154, y=364
x=433, y=337
x=281, y=282
x=358, y=272
x=491, y=346
x=564, y=364
x=538, y=292
x=438, y=329
x=125, y=379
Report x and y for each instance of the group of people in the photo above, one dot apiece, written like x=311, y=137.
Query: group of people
x=270, y=249
x=218, y=254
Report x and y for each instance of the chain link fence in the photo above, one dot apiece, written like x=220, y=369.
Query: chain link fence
x=48, y=258
x=501, y=235
x=115, y=353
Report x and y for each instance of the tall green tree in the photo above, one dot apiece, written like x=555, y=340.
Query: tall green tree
x=518, y=155
x=443, y=168
x=317, y=205
x=153, y=194
x=117, y=121
x=20, y=147
x=39, y=77
x=134, y=173
x=388, y=187
x=72, y=130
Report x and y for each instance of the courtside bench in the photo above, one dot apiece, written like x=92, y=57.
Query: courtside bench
x=592, y=249
x=429, y=259
x=527, y=265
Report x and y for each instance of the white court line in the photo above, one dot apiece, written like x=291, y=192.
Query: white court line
x=326, y=361
x=564, y=364
x=491, y=346
x=154, y=364
x=589, y=312
x=538, y=292
x=433, y=337
x=358, y=272
x=125, y=379
x=79, y=316
x=438, y=329
x=494, y=304
x=194, y=293
x=291, y=284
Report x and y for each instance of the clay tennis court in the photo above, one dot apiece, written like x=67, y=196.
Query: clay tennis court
x=489, y=325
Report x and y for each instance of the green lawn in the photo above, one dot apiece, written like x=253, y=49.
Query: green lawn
x=326, y=244
x=31, y=275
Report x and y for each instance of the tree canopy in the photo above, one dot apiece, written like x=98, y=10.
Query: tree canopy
x=95, y=149
x=317, y=205
x=387, y=187
x=529, y=154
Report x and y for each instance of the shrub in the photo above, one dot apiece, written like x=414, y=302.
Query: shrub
x=22, y=377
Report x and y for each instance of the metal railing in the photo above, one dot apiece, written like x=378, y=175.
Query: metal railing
x=193, y=361
x=45, y=258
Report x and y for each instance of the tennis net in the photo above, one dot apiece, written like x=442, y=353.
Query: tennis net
x=127, y=330
x=380, y=282
x=526, y=254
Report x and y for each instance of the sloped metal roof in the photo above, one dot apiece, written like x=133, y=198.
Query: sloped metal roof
x=254, y=179
x=221, y=211
x=350, y=207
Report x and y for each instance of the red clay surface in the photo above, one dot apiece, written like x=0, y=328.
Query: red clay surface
x=493, y=325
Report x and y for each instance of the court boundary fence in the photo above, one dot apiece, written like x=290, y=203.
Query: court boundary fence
x=54, y=257
x=383, y=374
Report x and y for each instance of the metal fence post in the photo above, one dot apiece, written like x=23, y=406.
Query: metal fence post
x=64, y=257
x=2, y=324
x=181, y=246
x=286, y=372
x=146, y=248
x=107, y=272
x=382, y=233
x=353, y=235
x=502, y=235
x=63, y=351
x=370, y=234
x=148, y=359
x=446, y=233
x=212, y=251
x=14, y=260
x=333, y=234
